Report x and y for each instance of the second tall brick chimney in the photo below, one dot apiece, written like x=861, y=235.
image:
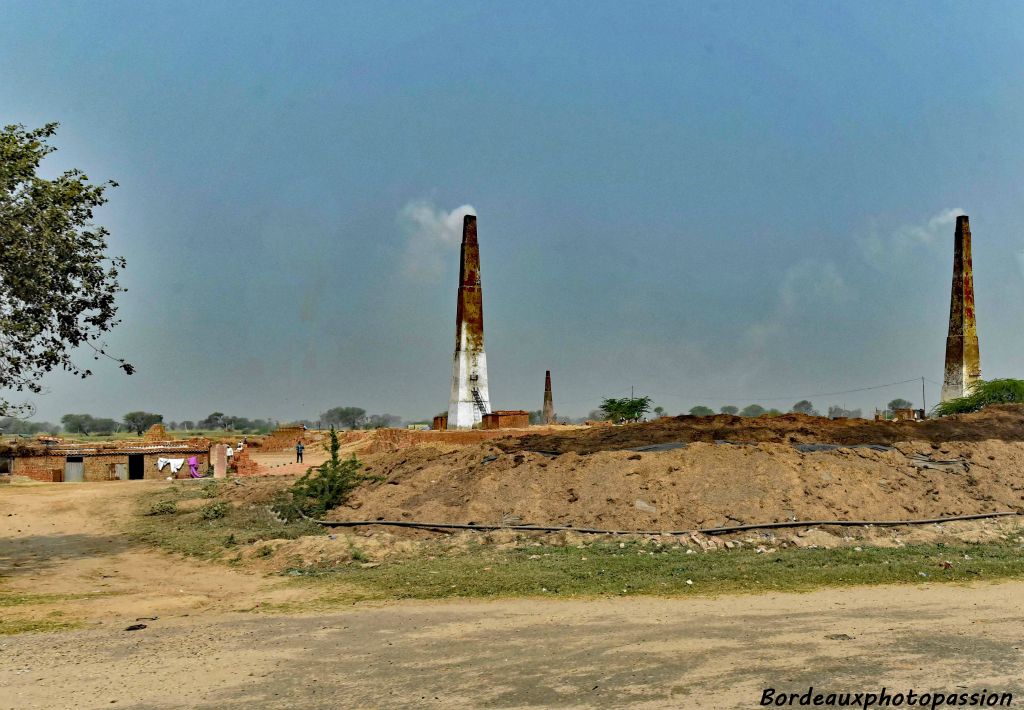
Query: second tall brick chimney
x=963, y=361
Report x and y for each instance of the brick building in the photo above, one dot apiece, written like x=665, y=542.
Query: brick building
x=56, y=461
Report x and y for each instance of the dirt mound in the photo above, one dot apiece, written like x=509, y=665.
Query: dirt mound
x=1004, y=422
x=701, y=485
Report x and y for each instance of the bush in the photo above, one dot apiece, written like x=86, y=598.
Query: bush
x=163, y=507
x=214, y=511
x=322, y=488
x=1002, y=391
x=627, y=409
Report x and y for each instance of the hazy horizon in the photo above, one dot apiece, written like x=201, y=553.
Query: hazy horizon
x=714, y=204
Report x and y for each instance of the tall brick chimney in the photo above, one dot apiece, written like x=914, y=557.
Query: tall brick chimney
x=963, y=361
x=549, y=406
x=469, y=397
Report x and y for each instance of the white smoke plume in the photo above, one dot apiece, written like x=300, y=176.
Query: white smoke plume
x=430, y=234
x=882, y=249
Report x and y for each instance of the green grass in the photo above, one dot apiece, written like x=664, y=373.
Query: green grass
x=211, y=531
x=611, y=570
x=440, y=570
x=9, y=627
x=33, y=620
x=8, y=599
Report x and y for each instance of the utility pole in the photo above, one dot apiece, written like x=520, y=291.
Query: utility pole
x=631, y=395
x=924, y=406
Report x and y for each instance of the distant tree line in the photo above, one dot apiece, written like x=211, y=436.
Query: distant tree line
x=12, y=426
x=135, y=422
x=804, y=406
x=357, y=418
x=138, y=422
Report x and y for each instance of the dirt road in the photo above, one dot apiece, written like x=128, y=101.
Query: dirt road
x=651, y=653
x=640, y=652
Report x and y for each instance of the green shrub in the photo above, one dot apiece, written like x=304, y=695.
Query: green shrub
x=1002, y=391
x=163, y=507
x=214, y=511
x=322, y=488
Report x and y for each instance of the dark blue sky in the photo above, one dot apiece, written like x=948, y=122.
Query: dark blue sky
x=714, y=202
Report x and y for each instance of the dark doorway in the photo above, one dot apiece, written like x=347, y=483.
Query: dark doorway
x=136, y=467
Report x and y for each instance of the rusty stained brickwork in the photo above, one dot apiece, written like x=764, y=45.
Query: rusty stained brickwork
x=469, y=315
x=548, y=413
x=470, y=398
x=963, y=360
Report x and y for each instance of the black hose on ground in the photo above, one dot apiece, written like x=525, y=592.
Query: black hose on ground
x=704, y=531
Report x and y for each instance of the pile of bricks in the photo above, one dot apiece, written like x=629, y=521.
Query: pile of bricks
x=284, y=438
x=243, y=463
x=157, y=432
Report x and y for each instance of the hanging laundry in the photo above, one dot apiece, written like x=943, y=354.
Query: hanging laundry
x=193, y=467
x=175, y=464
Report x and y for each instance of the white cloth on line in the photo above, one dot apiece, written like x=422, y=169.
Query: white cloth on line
x=175, y=464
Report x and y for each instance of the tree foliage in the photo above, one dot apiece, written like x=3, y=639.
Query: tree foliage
x=804, y=406
x=382, y=421
x=837, y=412
x=13, y=426
x=57, y=284
x=729, y=409
x=899, y=404
x=88, y=424
x=344, y=417
x=1001, y=391
x=626, y=409
x=752, y=410
x=324, y=487
x=214, y=421
x=701, y=411
x=140, y=421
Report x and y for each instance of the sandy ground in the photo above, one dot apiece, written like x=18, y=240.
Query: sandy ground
x=640, y=652
x=66, y=539
x=205, y=651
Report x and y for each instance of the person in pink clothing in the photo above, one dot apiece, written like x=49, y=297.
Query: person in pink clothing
x=193, y=467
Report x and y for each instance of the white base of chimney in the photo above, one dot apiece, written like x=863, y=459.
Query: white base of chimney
x=469, y=372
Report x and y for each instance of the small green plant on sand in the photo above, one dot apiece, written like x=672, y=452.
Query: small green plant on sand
x=214, y=511
x=163, y=507
x=324, y=487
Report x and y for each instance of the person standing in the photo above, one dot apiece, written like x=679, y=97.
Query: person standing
x=298, y=451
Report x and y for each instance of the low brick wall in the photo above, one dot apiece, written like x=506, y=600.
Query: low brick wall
x=46, y=475
x=39, y=468
x=506, y=419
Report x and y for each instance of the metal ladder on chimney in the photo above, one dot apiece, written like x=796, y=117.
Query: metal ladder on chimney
x=479, y=401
